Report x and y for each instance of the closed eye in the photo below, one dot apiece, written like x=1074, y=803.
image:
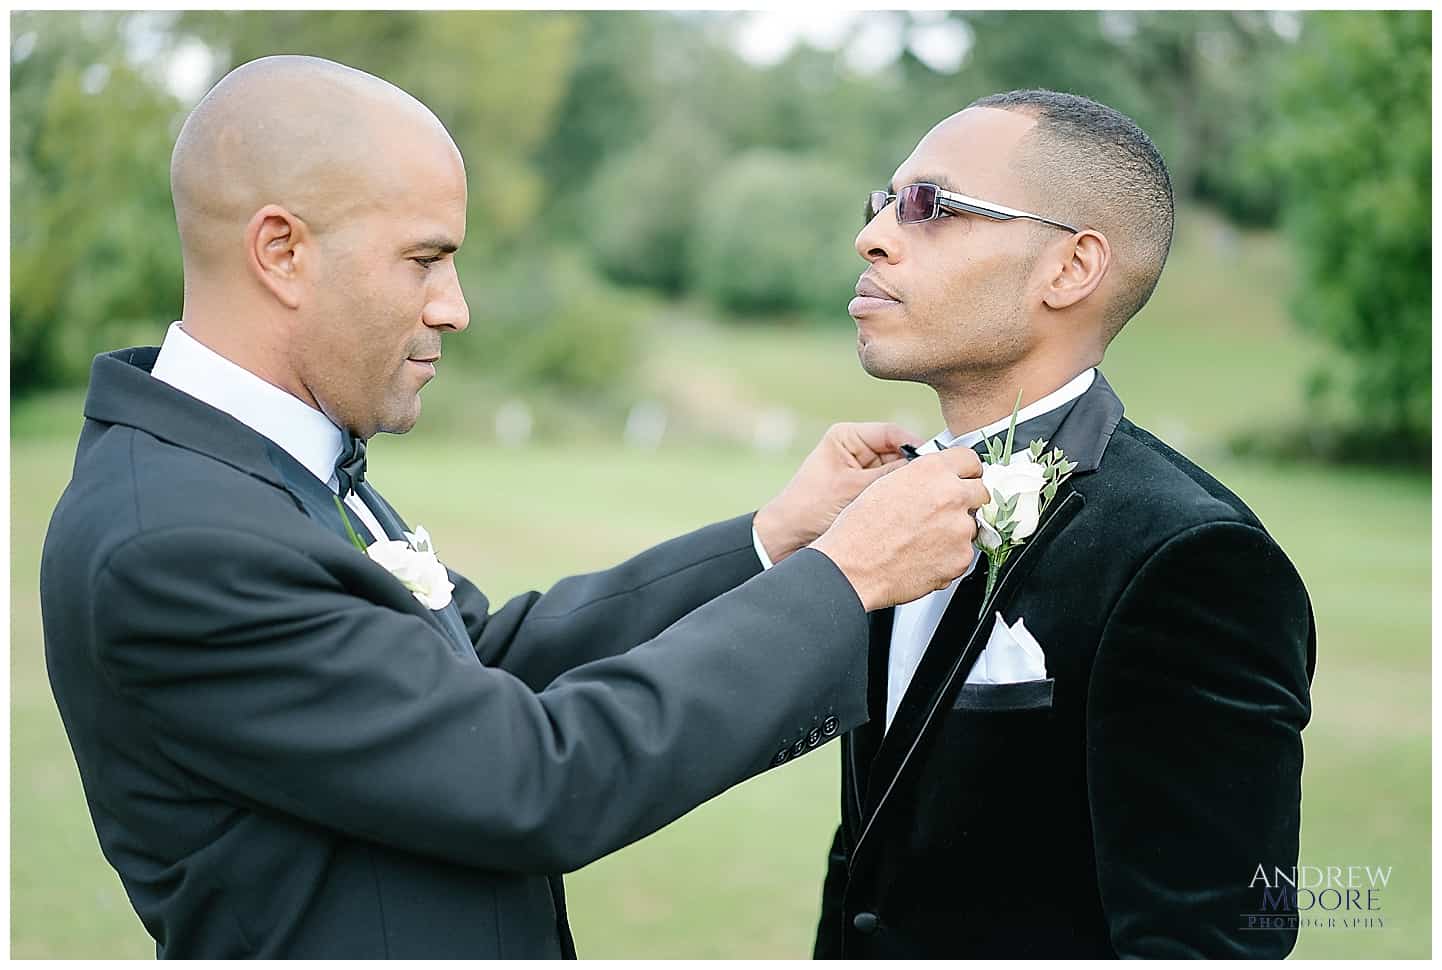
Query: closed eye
x=428, y=260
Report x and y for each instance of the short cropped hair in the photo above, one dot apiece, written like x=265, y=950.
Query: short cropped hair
x=1092, y=166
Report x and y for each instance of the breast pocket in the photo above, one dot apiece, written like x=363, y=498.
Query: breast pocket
x=1027, y=695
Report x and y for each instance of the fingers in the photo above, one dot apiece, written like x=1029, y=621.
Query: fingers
x=873, y=442
x=962, y=462
x=869, y=475
x=974, y=494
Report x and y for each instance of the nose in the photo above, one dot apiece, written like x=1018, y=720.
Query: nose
x=879, y=241
x=446, y=308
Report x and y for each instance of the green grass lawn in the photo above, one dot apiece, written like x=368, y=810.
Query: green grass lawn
x=740, y=876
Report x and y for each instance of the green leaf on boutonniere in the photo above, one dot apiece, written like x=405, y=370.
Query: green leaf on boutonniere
x=1011, y=430
x=1037, y=447
x=349, y=529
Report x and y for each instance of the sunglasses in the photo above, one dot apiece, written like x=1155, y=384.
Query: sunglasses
x=923, y=201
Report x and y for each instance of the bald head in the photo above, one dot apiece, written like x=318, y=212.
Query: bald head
x=316, y=137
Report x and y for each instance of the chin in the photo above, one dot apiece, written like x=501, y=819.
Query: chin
x=875, y=363
x=399, y=422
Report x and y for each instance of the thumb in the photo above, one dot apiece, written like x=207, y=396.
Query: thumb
x=873, y=441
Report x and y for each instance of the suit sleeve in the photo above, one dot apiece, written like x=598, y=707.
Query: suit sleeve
x=258, y=673
x=596, y=615
x=1198, y=697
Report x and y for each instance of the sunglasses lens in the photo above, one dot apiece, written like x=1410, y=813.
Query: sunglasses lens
x=875, y=202
x=916, y=203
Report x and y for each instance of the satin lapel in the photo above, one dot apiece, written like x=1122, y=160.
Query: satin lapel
x=938, y=658
x=956, y=626
x=862, y=743
x=1083, y=437
x=314, y=498
x=942, y=668
x=449, y=617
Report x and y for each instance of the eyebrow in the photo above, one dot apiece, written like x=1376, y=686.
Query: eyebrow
x=940, y=181
x=437, y=242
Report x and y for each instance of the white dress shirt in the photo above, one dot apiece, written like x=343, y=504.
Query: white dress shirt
x=306, y=434
x=913, y=624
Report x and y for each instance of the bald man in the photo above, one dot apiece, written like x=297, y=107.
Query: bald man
x=302, y=736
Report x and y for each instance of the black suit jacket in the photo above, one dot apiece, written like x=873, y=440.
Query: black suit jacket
x=285, y=754
x=1122, y=806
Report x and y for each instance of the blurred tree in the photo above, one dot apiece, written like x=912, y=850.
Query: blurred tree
x=94, y=257
x=1193, y=80
x=609, y=106
x=642, y=209
x=495, y=78
x=775, y=235
x=1353, y=146
x=1204, y=71
x=543, y=318
x=645, y=142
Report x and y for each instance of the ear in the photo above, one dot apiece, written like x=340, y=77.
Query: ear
x=281, y=252
x=1084, y=262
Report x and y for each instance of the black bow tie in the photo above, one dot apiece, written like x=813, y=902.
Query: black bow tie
x=350, y=467
x=910, y=453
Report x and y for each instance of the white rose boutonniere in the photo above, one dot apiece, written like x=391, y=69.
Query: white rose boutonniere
x=1022, y=479
x=413, y=562
x=1022, y=485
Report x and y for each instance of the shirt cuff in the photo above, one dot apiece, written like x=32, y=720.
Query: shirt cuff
x=766, y=562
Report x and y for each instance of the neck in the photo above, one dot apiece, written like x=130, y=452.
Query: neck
x=252, y=345
x=974, y=400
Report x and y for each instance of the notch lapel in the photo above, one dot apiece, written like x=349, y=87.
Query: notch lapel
x=313, y=497
x=122, y=392
x=862, y=743
x=316, y=500
x=449, y=616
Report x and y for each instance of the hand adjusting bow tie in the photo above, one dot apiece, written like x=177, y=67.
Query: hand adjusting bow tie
x=350, y=467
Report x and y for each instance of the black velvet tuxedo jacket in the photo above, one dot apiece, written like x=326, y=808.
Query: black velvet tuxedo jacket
x=1120, y=807
x=286, y=754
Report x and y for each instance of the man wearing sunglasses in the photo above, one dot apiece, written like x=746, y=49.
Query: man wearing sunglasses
x=1095, y=759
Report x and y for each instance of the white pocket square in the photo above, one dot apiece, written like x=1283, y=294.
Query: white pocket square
x=1012, y=656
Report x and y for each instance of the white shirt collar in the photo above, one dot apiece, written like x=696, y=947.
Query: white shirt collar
x=193, y=368
x=1068, y=392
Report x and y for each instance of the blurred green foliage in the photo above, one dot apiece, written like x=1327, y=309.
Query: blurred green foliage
x=1190, y=80
x=1352, y=137
x=550, y=320
x=496, y=78
x=94, y=258
x=640, y=150
x=771, y=237
x=645, y=205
